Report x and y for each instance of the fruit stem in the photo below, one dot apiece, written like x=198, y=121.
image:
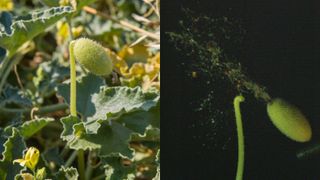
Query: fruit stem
x=240, y=166
x=73, y=103
x=73, y=83
x=309, y=151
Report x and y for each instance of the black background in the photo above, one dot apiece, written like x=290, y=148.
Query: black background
x=282, y=52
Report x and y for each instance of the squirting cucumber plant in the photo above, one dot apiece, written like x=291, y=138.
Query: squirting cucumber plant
x=93, y=57
x=73, y=104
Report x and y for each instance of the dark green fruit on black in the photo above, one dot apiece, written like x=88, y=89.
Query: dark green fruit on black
x=289, y=120
x=92, y=56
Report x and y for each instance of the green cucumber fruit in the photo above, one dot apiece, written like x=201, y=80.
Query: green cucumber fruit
x=92, y=56
x=289, y=120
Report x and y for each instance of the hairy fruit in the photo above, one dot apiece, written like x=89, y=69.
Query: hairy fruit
x=92, y=56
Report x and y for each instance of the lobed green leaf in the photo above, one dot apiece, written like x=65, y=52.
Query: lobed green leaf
x=98, y=103
x=109, y=139
x=86, y=88
x=31, y=127
x=13, y=149
x=14, y=96
x=27, y=27
x=67, y=174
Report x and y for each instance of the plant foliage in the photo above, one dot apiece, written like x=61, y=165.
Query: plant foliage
x=117, y=127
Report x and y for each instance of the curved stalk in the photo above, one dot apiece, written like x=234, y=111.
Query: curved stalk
x=240, y=166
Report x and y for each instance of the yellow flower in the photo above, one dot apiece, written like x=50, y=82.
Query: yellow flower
x=6, y=5
x=63, y=31
x=76, y=31
x=137, y=53
x=30, y=159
